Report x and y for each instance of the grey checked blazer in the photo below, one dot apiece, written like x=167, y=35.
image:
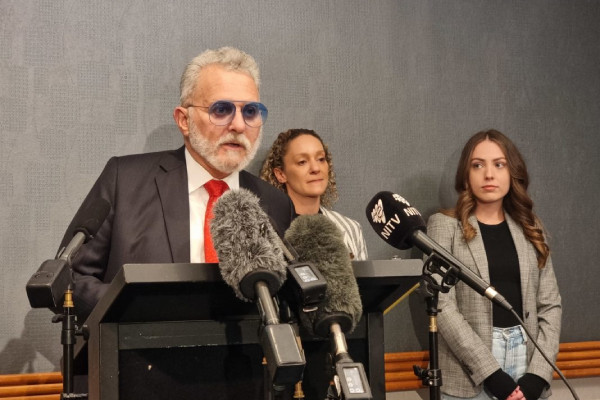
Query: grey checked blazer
x=465, y=320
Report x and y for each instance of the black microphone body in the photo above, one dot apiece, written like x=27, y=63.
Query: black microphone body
x=402, y=226
x=249, y=262
x=47, y=286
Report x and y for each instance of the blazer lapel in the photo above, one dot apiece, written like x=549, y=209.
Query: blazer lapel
x=174, y=197
x=522, y=246
x=477, y=250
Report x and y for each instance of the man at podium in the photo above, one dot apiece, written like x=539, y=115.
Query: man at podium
x=159, y=202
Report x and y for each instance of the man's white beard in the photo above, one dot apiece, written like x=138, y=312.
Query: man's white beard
x=232, y=161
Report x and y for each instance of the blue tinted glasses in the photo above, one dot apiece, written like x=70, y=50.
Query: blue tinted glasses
x=221, y=112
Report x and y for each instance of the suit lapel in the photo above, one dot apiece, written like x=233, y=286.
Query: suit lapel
x=477, y=250
x=171, y=183
x=247, y=183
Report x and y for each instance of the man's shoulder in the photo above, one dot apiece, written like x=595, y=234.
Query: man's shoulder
x=177, y=153
x=260, y=187
x=167, y=158
x=276, y=203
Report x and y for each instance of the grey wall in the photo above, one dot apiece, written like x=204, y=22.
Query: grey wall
x=394, y=87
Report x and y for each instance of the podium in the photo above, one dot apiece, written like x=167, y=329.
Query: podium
x=177, y=331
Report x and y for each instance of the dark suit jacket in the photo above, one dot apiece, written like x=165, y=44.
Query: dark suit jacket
x=149, y=219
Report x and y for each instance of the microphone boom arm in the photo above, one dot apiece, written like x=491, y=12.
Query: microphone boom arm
x=455, y=270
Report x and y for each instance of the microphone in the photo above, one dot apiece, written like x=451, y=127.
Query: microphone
x=402, y=226
x=87, y=222
x=305, y=282
x=318, y=240
x=243, y=237
x=48, y=284
x=255, y=269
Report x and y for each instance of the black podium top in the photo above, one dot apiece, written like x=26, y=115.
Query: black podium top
x=175, y=292
x=183, y=292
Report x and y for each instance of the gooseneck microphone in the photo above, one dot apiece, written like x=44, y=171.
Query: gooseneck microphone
x=47, y=286
x=318, y=240
x=402, y=226
x=249, y=262
x=53, y=282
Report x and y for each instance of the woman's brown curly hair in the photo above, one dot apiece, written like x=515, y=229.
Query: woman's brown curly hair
x=516, y=203
x=275, y=156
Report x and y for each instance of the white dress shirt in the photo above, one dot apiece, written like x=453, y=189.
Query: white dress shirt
x=197, y=177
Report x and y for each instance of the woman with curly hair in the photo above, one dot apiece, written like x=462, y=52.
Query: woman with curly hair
x=484, y=353
x=300, y=164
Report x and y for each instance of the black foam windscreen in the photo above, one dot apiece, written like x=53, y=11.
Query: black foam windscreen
x=394, y=220
x=245, y=243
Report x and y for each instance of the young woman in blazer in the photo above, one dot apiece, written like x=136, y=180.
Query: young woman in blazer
x=484, y=353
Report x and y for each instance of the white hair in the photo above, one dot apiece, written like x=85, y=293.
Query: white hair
x=231, y=58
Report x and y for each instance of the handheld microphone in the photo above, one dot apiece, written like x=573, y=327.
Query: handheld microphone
x=402, y=226
x=319, y=241
x=243, y=238
x=47, y=286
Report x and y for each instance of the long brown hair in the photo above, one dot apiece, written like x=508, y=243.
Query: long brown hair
x=516, y=203
x=275, y=156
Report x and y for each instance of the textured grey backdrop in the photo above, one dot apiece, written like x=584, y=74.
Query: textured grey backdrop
x=394, y=87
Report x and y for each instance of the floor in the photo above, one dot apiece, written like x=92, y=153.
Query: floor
x=586, y=389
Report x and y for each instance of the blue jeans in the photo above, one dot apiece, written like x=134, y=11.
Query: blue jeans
x=509, y=347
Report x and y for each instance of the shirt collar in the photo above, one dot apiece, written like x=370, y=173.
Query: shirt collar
x=198, y=176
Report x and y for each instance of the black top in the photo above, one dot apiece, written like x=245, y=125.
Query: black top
x=503, y=264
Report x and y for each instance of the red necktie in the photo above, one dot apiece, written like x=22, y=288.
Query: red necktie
x=215, y=189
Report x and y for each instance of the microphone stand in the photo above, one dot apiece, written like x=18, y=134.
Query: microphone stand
x=69, y=331
x=67, y=339
x=50, y=284
x=430, y=289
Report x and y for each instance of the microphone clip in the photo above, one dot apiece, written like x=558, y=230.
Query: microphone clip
x=307, y=285
x=434, y=264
